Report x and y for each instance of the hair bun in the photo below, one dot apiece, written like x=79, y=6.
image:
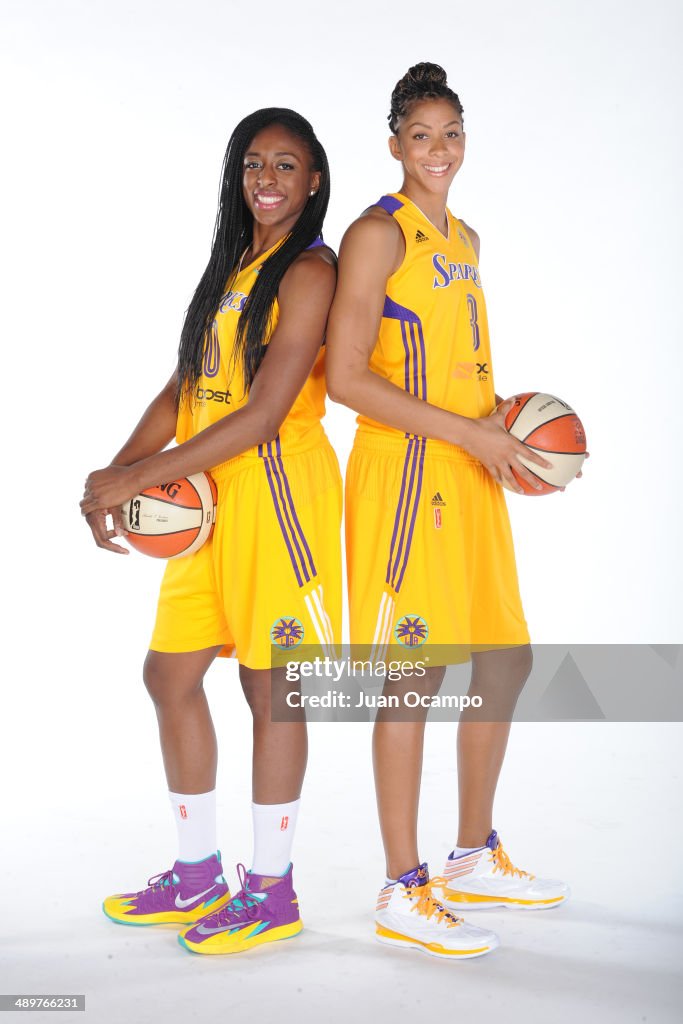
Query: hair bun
x=423, y=81
x=425, y=74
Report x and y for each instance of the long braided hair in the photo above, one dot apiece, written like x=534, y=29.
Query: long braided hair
x=233, y=233
x=421, y=82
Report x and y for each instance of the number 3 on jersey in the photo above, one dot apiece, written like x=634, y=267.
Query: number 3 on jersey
x=472, y=307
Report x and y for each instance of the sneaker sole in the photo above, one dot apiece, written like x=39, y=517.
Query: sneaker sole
x=168, y=917
x=390, y=938
x=285, y=931
x=474, y=901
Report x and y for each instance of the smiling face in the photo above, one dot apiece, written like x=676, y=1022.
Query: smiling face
x=430, y=143
x=278, y=177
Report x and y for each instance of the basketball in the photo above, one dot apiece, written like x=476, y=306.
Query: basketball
x=172, y=520
x=551, y=428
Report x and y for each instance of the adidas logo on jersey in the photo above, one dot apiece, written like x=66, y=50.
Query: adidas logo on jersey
x=420, y=237
x=438, y=500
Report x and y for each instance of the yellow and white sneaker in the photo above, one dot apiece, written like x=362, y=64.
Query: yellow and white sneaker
x=408, y=915
x=487, y=878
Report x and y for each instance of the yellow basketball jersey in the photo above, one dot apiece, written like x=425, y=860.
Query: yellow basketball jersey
x=433, y=338
x=220, y=389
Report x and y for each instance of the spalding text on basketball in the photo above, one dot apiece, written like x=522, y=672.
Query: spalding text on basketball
x=170, y=489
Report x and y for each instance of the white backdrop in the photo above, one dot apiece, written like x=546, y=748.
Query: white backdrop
x=115, y=123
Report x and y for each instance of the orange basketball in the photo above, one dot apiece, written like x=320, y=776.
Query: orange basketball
x=172, y=520
x=551, y=428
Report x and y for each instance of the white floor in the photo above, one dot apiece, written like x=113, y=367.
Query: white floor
x=593, y=803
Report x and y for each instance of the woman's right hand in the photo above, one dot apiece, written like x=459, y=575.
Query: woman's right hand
x=97, y=521
x=498, y=451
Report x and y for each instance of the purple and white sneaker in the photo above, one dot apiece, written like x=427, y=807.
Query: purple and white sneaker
x=186, y=893
x=408, y=915
x=265, y=909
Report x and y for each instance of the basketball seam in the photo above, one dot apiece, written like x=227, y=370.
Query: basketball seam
x=551, y=451
x=165, y=501
x=523, y=405
x=169, y=533
x=539, y=426
x=555, y=487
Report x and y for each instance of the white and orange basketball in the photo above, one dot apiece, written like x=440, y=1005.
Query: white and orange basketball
x=551, y=428
x=172, y=520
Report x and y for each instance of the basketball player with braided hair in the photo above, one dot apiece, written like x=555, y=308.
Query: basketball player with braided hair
x=430, y=556
x=245, y=402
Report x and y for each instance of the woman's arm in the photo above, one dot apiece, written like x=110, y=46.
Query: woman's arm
x=154, y=431
x=367, y=258
x=304, y=299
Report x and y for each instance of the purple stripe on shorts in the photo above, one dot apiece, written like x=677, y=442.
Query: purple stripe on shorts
x=422, y=445
x=399, y=507
x=284, y=507
x=283, y=528
x=406, y=512
x=292, y=507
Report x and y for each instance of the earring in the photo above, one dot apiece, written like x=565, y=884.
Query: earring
x=312, y=193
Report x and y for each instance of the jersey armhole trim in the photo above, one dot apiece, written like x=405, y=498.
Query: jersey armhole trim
x=460, y=225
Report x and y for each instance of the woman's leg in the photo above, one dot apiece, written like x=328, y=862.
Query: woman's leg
x=280, y=748
x=175, y=683
x=397, y=746
x=280, y=753
x=498, y=677
x=195, y=886
x=477, y=876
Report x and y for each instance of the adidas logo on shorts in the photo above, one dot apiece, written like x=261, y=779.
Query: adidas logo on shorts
x=438, y=500
x=420, y=237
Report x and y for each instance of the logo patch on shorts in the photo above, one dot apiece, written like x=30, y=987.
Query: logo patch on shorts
x=411, y=630
x=437, y=519
x=286, y=632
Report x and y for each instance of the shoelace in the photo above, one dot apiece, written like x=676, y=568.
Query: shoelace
x=502, y=863
x=245, y=902
x=427, y=905
x=157, y=882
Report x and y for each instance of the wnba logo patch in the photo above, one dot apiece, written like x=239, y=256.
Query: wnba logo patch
x=286, y=632
x=411, y=630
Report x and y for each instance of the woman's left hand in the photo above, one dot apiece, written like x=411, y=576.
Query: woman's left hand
x=109, y=488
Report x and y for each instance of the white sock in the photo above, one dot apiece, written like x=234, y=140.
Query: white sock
x=461, y=851
x=274, y=826
x=195, y=818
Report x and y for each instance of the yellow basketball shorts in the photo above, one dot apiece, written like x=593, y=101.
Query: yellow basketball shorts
x=429, y=551
x=270, y=576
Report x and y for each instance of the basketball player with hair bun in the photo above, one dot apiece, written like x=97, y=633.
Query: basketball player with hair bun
x=429, y=548
x=254, y=333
